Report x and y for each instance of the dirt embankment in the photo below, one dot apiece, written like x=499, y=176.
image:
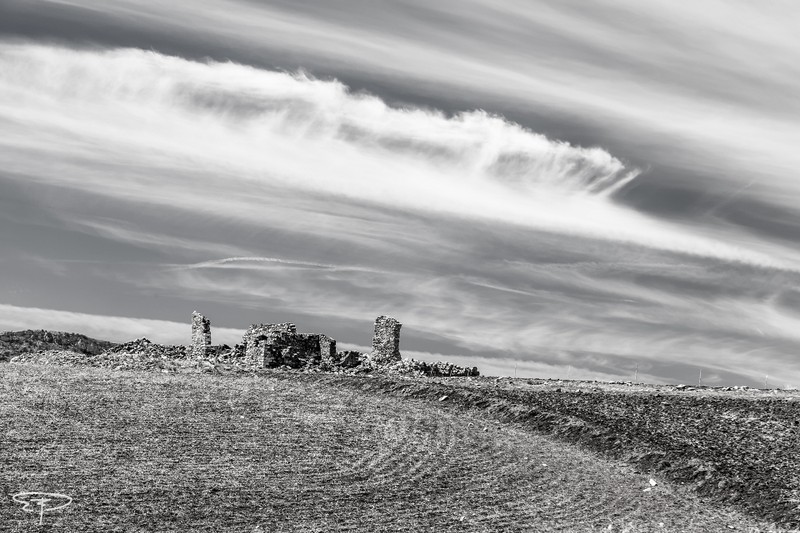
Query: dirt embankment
x=738, y=450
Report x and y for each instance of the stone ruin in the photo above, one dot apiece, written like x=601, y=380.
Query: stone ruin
x=280, y=345
x=269, y=346
x=274, y=345
x=201, y=335
x=386, y=340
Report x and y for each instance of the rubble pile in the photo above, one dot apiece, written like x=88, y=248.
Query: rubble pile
x=349, y=359
x=436, y=369
x=147, y=348
x=51, y=357
x=114, y=360
x=223, y=353
x=415, y=368
x=353, y=362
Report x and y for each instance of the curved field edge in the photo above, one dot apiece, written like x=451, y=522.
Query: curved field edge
x=144, y=451
x=736, y=451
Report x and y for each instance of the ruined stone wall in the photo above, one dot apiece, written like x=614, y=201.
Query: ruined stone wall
x=201, y=335
x=267, y=330
x=386, y=340
x=259, y=336
x=327, y=350
x=274, y=345
x=304, y=350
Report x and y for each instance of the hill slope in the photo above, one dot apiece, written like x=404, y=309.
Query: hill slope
x=169, y=452
x=27, y=341
x=736, y=447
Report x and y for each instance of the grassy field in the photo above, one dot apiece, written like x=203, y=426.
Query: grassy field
x=143, y=451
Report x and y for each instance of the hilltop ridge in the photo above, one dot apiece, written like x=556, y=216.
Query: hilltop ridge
x=29, y=341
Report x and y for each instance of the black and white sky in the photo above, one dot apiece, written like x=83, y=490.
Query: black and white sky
x=549, y=187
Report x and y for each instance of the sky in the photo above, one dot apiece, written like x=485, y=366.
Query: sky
x=599, y=190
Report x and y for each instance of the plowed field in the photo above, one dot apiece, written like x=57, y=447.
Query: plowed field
x=142, y=451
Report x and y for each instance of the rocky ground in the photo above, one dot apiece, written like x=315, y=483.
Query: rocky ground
x=140, y=354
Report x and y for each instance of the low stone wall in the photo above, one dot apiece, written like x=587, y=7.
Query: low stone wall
x=145, y=347
x=437, y=369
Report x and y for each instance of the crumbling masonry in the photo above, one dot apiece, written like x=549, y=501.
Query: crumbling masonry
x=274, y=345
x=201, y=335
x=386, y=340
x=280, y=345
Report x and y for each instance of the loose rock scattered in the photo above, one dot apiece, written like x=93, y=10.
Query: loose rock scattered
x=263, y=346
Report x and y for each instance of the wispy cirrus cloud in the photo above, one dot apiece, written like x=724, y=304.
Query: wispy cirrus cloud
x=686, y=88
x=260, y=262
x=234, y=132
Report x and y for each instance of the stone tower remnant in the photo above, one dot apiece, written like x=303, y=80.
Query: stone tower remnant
x=386, y=340
x=201, y=335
